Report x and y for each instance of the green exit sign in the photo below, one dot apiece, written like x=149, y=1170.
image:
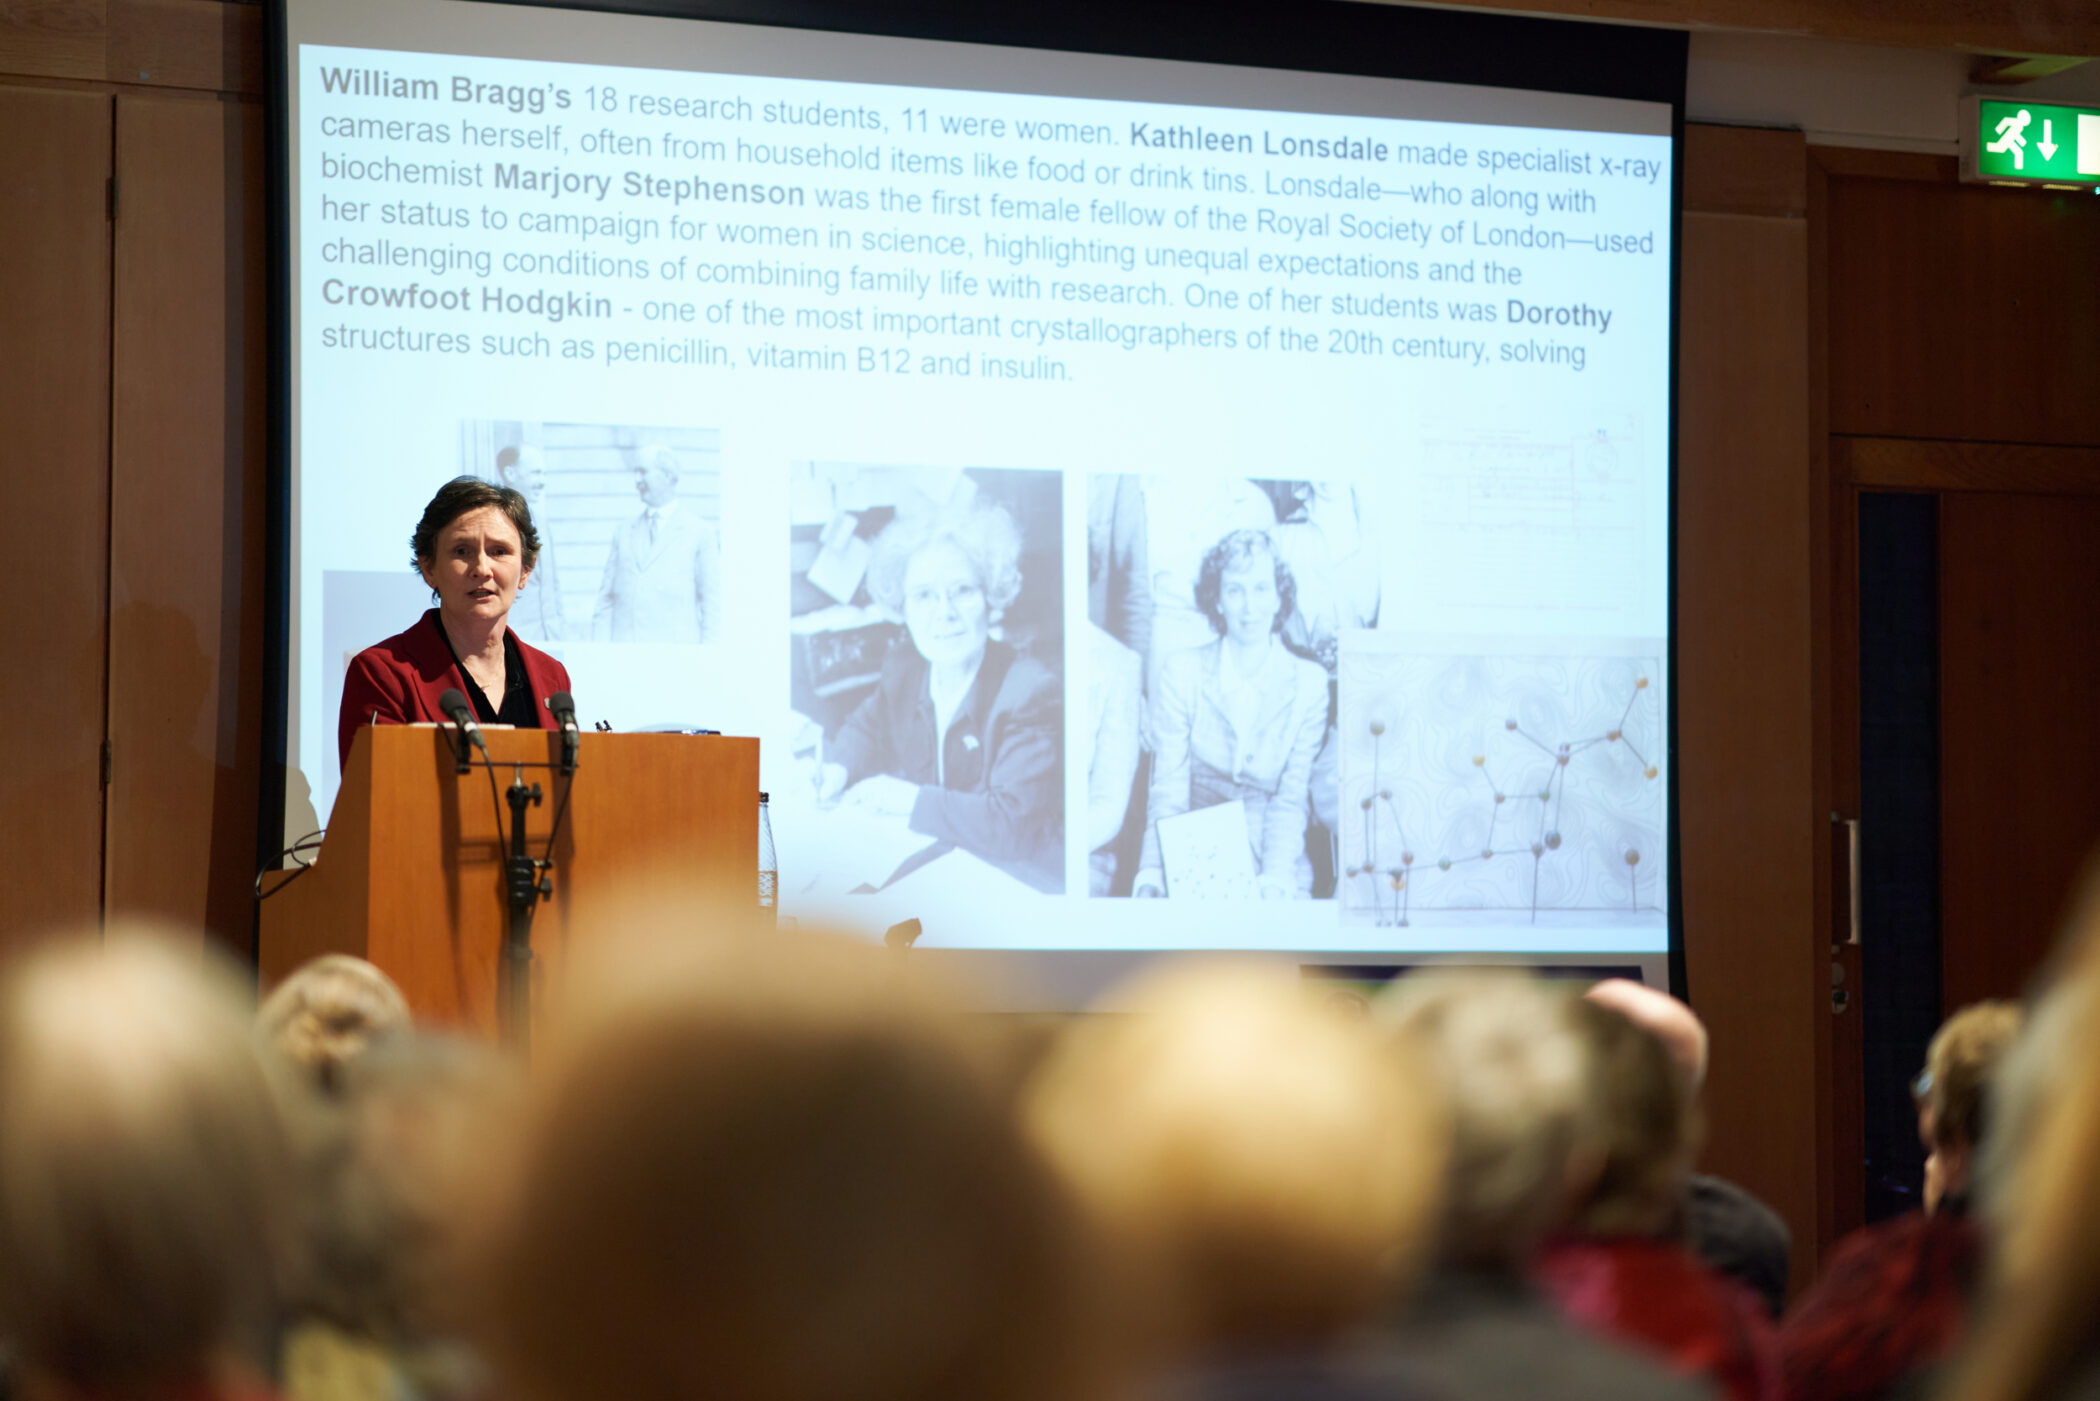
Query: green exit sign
x=2029, y=143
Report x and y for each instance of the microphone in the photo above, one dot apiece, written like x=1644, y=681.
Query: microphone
x=456, y=709
x=562, y=706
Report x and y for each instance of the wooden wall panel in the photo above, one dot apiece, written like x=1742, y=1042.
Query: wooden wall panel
x=54, y=542
x=1995, y=26
x=1834, y=578
x=186, y=512
x=1914, y=464
x=2019, y=753
x=1967, y=312
x=54, y=38
x=216, y=46
x=1745, y=170
x=1750, y=834
x=205, y=45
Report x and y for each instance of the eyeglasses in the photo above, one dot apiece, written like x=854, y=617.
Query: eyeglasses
x=957, y=596
x=1921, y=1087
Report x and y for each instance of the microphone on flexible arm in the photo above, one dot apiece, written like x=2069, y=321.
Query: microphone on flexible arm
x=456, y=709
x=562, y=706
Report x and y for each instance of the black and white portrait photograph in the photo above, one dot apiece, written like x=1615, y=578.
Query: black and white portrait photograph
x=1215, y=617
x=927, y=677
x=630, y=527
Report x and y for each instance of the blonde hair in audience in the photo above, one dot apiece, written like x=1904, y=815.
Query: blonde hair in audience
x=1512, y=1065
x=144, y=1215
x=1279, y=1162
x=774, y=1171
x=328, y=1009
x=1962, y=1062
x=2043, y=1303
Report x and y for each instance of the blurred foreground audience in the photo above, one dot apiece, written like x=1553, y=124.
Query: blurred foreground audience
x=793, y=1169
x=1725, y=1226
x=2036, y=1336
x=1614, y=1265
x=1515, y=1067
x=146, y=1221
x=1894, y=1297
x=392, y=1164
x=777, y=1174
x=1271, y=1167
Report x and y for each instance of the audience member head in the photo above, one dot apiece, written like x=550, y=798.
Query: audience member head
x=1274, y=1164
x=1953, y=1093
x=2041, y=1317
x=1662, y=1016
x=1638, y=1126
x=328, y=1010
x=144, y=1212
x=1512, y=1065
x=416, y=1119
x=776, y=1172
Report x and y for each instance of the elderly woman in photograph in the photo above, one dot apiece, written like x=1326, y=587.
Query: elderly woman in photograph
x=963, y=736
x=1240, y=718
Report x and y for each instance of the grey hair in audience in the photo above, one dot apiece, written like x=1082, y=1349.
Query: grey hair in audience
x=1513, y=1068
x=390, y=1179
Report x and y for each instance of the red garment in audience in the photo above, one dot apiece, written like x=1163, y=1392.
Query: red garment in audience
x=1893, y=1298
x=1653, y=1294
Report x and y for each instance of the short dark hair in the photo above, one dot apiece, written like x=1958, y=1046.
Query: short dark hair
x=1237, y=548
x=461, y=495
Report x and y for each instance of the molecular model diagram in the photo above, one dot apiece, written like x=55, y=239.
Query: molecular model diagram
x=1518, y=794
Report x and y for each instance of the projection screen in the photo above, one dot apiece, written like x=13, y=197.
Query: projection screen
x=1139, y=504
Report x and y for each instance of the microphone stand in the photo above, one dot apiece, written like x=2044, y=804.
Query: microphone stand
x=524, y=888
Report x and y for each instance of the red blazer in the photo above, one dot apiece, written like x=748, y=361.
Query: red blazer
x=399, y=681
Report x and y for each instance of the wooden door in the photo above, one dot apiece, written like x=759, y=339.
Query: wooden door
x=2019, y=743
x=54, y=528
x=187, y=476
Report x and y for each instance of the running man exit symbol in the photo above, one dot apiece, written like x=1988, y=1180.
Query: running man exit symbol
x=2012, y=139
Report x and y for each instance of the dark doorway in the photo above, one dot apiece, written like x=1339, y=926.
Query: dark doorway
x=1899, y=784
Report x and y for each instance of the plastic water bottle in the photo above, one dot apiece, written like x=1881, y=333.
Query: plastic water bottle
x=768, y=865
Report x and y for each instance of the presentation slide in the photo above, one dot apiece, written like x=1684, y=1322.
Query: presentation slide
x=1137, y=504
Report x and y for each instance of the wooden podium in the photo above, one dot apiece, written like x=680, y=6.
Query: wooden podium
x=411, y=873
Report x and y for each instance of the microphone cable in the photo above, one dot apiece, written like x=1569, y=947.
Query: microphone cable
x=310, y=842
x=460, y=711
x=564, y=719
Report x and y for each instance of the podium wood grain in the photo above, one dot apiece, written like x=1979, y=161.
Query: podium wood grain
x=410, y=874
